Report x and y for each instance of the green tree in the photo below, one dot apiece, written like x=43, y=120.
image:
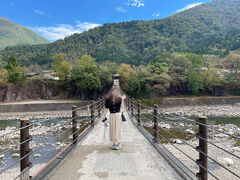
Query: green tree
x=212, y=78
x=1, y=62
x=86, y=74
x=178, y=70
x=232, y=63
x=57, y=60
x=194, y=82
x=105, y=75
x=197, y=60
x=63, y=70
x=125, y=71
x=3, y=76
x=15, y=72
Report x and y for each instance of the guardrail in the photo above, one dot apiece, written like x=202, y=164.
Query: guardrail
x=72, y=133
x=154, y=117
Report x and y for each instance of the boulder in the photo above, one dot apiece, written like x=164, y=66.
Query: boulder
x=2, y=156
x=15, y=155
x=189, y=131
x=236, y=149
x=166, y=126
x=37, y=155
x=177, y=141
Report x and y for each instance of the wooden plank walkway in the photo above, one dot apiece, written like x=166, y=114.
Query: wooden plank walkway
x=93, y=159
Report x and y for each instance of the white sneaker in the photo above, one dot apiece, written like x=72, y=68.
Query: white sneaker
x=118, y=146
x=113, y=147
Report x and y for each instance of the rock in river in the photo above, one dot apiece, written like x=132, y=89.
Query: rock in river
x=15, y=155
x=37, y=155
x=177, y=141
x=189, y=131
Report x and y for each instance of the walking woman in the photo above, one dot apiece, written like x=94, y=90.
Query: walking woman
x=115, y=105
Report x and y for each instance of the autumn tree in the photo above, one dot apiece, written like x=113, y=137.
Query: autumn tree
x=61, y=66
x=86, y=74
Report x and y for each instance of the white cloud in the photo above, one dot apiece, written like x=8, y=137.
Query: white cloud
x=85, y=26
x=62, y=30
x=121, y=9
x=189, y=6
x=39, y=12
x=155, y=14
x=135, y=3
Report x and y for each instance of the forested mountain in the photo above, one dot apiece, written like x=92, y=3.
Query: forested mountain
x=210, y=28
x=12, y=34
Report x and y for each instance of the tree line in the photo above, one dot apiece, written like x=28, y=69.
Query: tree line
x=166, y=74
x=183, y=74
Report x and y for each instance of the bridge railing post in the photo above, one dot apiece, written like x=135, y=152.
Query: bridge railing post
x=24, y=148
x=132, y=103
x=202, y=148
x=92, y=113
x=139, y=112
x=126, y=103
x=74, y=123
x=155, y=123
x=98, y=107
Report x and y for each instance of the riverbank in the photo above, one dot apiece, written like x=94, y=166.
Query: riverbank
x=40, y=105
x=204, y=110
x=196, y=101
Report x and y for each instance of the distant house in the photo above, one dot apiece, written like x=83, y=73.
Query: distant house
x=48, y=72
x=31, y=74
x=50, y=77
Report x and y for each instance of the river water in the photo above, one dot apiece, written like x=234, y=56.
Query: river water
x=49, y=137
x=180, y=127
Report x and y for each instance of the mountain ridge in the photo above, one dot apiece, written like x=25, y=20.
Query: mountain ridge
x=12, y=34
x=209, y=28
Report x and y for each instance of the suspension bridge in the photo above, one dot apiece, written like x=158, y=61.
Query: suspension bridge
x=145, y=153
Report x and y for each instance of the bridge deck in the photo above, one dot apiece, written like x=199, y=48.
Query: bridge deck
x=93, y=159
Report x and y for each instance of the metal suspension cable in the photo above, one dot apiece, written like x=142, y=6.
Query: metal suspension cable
x=148, y=107
x=44, y=154
x=18, y=129
x=184, y=153
x=218, y=147
x=16, y=162
x=199, y=123
x=208, y=142
x=181, y=167
x=49, y=119
x=90, y=104
x=203, y=153
x=203, y=139
x=194, y=122
x=220, y=164
x=15, y=130
x=22, y=172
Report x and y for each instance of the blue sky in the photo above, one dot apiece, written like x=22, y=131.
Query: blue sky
x=55, y=19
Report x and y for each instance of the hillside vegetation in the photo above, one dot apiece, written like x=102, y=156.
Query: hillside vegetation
x=211, y=28
x=12, y=34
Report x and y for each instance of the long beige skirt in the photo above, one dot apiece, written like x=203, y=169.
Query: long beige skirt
x=115, y=127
